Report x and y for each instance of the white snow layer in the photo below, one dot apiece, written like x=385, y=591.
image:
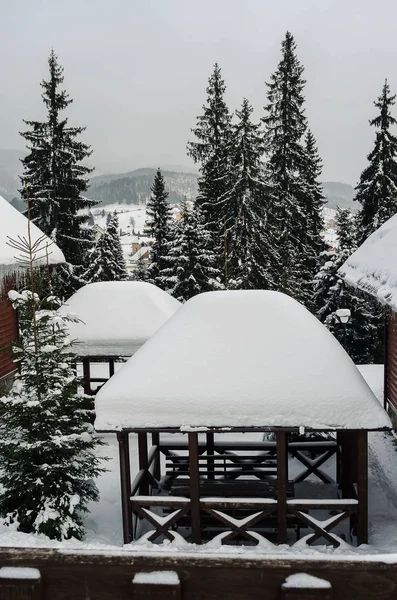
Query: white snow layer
x=304, y=580
x=14, y=225
x=157, y=578
x=19, y=573
x=372, y=267
x=240, y=358
x=116, y=317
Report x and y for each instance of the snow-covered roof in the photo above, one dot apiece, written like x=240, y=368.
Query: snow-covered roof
x=117, y=317
x=14, y=224
x=240, y=359
x=139, y=253
x=372, y=267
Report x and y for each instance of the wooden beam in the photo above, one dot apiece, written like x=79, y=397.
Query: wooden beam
x=156, y=585
x=111, y=367
x=210, y=454
x=282, y=478
x=87, y=376
x=157, y=466
x=362, y=486
x=386, y=359
x=143, y=461
x=125, y=485
x=194, y=487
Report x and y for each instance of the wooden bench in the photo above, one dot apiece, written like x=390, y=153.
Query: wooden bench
x=232, y=488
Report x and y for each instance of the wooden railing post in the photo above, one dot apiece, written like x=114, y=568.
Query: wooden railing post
x=362, y=486
x=143, y=461
x=125, y=485
x=157, y=466
x=282, y=479
x=87, y=376
x=194, y=487
x=210, y=454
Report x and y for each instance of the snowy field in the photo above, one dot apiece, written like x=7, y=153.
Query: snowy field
x=104, y=527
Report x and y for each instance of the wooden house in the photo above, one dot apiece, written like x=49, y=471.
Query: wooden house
x=115, y=319
x=372, y=268
x=251, y=365
x=14, y=224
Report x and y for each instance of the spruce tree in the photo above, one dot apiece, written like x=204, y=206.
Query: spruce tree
x=250, y=255
x=56, y=178
x=313, y=243
x=47, y=443
x=285, y=126
x=107, y=260
x=140, y=273
x=211, y=152
x=377, y=188
x=191, y=263
x=361, y=336
x=158, y=221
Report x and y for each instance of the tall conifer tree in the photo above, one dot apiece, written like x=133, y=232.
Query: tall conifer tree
x=107, y=260
x=192, y=266
x=250, y=255
x=55, y=178
x=285, y=125
x=158, y=221
x=211, y=152
x=377, y=188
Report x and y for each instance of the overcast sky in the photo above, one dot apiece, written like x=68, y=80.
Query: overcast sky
x=137, y=69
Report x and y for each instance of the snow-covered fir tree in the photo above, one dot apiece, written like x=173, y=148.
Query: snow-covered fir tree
x=140, y=273
x=192, y=266
x=211, y=152
x=158, y=221
x=314, y=223
x=55, y=178
x=47, y=443
x=285, y=125
x=107, y=261
x=361, y=337
x=249, y=257
x=377, y=188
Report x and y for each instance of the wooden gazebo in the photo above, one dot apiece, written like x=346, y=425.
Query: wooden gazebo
x=240, y=379
x=115, y=319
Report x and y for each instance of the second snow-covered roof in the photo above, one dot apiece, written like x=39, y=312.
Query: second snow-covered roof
x=372, y=267
x=240, y=359
x=117, y=317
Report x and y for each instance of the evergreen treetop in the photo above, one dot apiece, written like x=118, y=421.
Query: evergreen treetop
x=377, y=188
x=107, y=261
x=56, y=179
x=159, y=218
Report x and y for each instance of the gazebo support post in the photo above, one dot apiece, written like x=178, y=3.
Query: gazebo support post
x=210, y=454
x=194, y=487
x=125, y=484
x=143, y=462
x=362, y=486
x=282, y=479
x=86, y=376
x=111, y=367
x=156, y=442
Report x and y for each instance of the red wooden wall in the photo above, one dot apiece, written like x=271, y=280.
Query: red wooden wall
x=391, y=359
x=8, y=327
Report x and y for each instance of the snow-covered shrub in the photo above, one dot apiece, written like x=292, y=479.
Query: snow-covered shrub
x=47, y=444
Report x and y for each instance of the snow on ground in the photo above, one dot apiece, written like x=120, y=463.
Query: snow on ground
x=104, y=527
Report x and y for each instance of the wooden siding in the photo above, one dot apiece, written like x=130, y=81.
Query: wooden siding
x=391, y=360
x=8, y=328
x=110, y=576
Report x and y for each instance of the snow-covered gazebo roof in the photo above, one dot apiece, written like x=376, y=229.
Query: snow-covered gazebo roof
x=14, y=224
x=117, y=317
x=239, y=359
x=372, y=268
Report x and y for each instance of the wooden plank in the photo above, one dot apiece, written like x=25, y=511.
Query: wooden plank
x=125, y=485
x=362, y=487
x=210, y=455
x=87, y=377
x=143, y=461
x=282, y=479
x=111, y=367
x=156, y=585
x=194, y=487
x=157, y=465
x=20, y=584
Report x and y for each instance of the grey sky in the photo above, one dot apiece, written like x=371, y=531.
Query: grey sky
x=137, y=69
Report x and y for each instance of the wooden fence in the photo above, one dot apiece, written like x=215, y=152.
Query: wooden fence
x=54, y=575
